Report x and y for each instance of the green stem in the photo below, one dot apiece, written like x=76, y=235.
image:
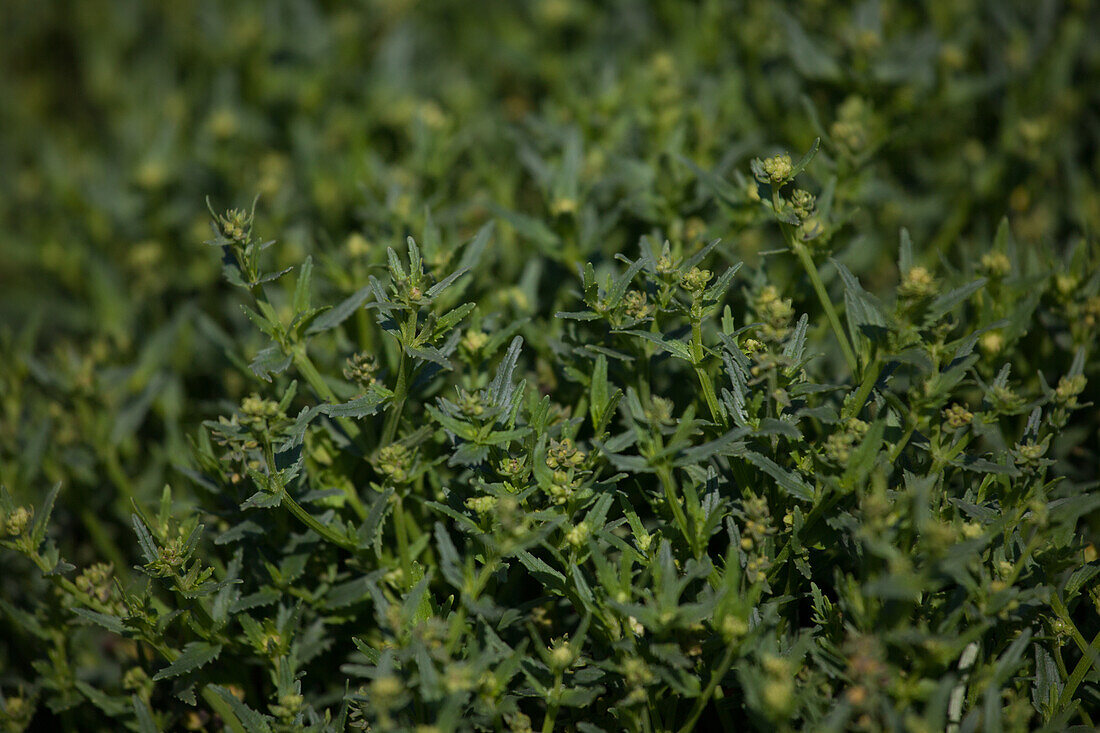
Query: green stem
x=298, y=511
x=815, y=278
x=401, y=529
x=870, y=377
x=1079, y=672
x=705, y=382
x=552, y=705
x=715, y=677
x=1090, y=655
x=400, y=393
x=673, y=499
x=309, y=371
x=313, y=523
x=826, y=303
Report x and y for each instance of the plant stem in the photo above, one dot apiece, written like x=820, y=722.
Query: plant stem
x=298, y=511
x=705, y=382
x=401, y=529
x=313, y=523
x=400, y=393
x=552, y=705
x=307, y=369
x=815, y=278
x=715, y=677
x=826, y=303
x=673, y=499
x=1090, y=655
x=870, y=377
x=1079, y=672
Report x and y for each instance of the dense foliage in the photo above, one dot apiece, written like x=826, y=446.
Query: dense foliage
x=583, y=366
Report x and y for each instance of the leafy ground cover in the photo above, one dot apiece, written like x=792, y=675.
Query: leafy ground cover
x=653, y=366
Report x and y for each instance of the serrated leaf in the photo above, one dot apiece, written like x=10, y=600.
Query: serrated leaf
x=111, y=623
x=786, y=480
x=252, y=720
x=679, y=349
x=195, y=655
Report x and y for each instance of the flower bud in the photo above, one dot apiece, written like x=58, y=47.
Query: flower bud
x=917, y=283
x=778, y=167
x=18, y=521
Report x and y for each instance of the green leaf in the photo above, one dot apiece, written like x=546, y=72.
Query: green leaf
x=195, y=654
x=451, y=319
x=943, y=304
x=805, y=159
x=253, y=721
x=333, y=317
x=789, y=482
x=42, y=516
x=865, y=314
x=550, y=578
x=268, y=327
x=144, y=716
x=304, y=287
x=113, y=624
x=269, y=362
x=679, y=349
x=1047, y=687
x=862, y=459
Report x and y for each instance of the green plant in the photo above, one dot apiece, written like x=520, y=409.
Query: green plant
x=691, y=515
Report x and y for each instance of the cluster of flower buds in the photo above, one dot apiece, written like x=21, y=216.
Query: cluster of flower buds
x=564, y=454
x=917, y=283
x=695, y=280
x=956, y=417
x=774, y=312
x=395, y=462
x=360, y=369
x=18, y=521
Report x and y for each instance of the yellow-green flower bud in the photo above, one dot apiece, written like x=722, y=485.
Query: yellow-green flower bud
x=996, y=264
x=562, y=656
x=361, y=368
x=1069, y=388
x=96, y=581
x=802, y=202
x=578, y=534
x=394, y=461
x=635, y=306
x=917, y=283
x=778, y=167
x=18, y=521
x=474, y=340
x=696, y=279
x=957, y=417
x=481, y=504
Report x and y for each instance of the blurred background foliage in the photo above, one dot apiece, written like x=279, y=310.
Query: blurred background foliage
x=574, y=124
